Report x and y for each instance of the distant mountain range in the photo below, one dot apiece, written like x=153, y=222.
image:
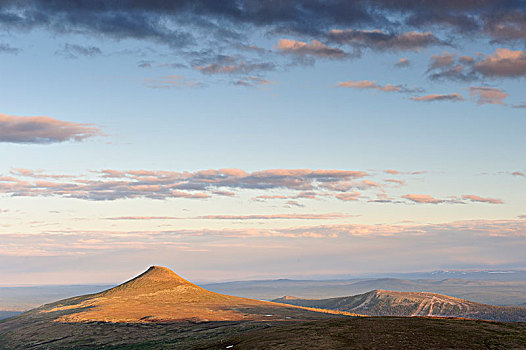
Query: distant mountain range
x=390, y=303
x=495, y=292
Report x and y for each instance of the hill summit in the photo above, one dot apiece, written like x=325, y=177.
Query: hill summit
x=157, y=279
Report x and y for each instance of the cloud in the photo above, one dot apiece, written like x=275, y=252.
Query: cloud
x=442, y=60
x=474, y=198
x=8, y=49
x=423, y=198
x=38, y=174
x=224, y=193
x=293, y=204
x=503, y=63
x=74, y=51
x=182, y=23
x=455, y=97
x=110, y=184
x=352, y=196
x=473, y=244
x=367, y=84
x=402, y=63
x=443, y=67
x=144, y=218
x=224, y=64
x=395, y=181
x=172, y=81
x=276, y=217
x=379, y=40
x=294, y=216
x=43, y=130
x=505, y=26
x=397, y=172
x=315, y=48
x=457, y=72
x=252, y=81
x=74, y=242
x=520, y=105
x=488, y=95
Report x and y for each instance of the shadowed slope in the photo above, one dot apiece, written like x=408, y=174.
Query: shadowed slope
x=389, y=303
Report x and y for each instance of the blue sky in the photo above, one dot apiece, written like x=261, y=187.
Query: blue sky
x=424, y=159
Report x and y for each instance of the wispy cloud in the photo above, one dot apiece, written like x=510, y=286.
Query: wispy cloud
x=234, y=65
x=423, y=198
x=75, y=50
x=315, y=48
x=352, y=196
x=475, y=198
x=253, y=81
x=172, y=81
x=42, y=130
x=276, y=217
x=488, y=95
x=372, y=85
x=8, y=49
x=72, y=242
x=443, y=67
x=403, y=62
x=294, y=216
x=379, y=40
x=454, y=97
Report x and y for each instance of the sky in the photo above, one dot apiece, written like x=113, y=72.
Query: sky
x=248, y=139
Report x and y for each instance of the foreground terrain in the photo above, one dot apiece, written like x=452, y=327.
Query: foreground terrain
x=335, y=333
x=160, y=310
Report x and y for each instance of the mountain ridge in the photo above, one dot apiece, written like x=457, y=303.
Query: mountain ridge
x=394, y=303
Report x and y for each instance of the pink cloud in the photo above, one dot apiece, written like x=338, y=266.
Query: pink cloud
x=276, y=217
x=171, y=81
x=144, y=218
x=443, y=60
x=115, y=184
x=42, y=130
x=379, y=40
x=395, y=181
x=422, y=198
x=474, y=198
x=315, y=48
x=367, y=84
x=503, y=63
x=224, y=193
x=403, y=62
x=488, y=95
x=454, y=97
x=348, y=196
